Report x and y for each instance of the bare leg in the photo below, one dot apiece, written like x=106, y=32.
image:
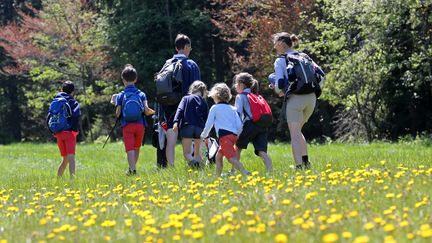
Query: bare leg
x=131, y=159
x=170, y=146
x=267, y=161
x=238, y=156
x=238, y=165
x=71, y=159
x=198, y=150
x=297, y=141
x=137, y=151
x=219, y=163
x=62, y=166
x=304, y=150
x=187, y=148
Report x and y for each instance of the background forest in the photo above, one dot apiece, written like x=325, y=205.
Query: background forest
x=377, y=56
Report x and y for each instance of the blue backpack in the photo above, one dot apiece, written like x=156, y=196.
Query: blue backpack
x=132, y=106
x=58, y=115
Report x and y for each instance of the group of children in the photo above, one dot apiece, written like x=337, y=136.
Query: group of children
x=233, y=124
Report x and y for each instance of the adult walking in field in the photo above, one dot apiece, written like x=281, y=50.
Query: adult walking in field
x=179, y=72
x=298, y=79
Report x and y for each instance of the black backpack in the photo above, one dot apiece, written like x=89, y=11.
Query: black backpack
x=302, y=76
x=168, y=82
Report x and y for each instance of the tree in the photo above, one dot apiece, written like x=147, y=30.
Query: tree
x=379, y=55
x=66, y=40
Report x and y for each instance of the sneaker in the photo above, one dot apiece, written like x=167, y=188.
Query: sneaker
x=130, y=172
x=194, y=164
x=228, y=174
x=307, y=165
x=299, y=167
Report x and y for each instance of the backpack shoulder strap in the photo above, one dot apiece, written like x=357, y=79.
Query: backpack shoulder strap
x=246, y=95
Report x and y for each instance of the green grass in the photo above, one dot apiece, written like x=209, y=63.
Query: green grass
x=350, y=186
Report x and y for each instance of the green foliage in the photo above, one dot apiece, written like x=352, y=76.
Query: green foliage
x=375, y=52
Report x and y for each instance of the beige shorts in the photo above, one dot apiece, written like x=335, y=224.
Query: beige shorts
x=300, y=107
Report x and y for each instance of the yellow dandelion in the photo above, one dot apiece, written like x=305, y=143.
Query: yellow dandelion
x=43, y=221
x=187, y=232
x=281, y=238
x=369, y=226
x=330, y=238
x=90, y=222
x=107, y=238
x=410, y=236
x=50, y=235
x=108, y=223
x=271, y=223
x=176, y=237
x=361, y=239
x=197, y=234
x=389, y=239
x=128, y=222
x=389, y=227
x=298, y=221
x=329, y=202
x=346, y=234
x=403, y=224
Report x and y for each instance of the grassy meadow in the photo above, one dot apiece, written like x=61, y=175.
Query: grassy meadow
x=354, y=193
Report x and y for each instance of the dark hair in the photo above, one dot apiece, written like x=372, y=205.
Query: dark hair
x=181, y=41
x=289, y=40
x=255, y=87
x=245, y=78
x=129, y=73
x=68, y=87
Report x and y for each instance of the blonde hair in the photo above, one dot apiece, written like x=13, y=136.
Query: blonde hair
x=198, y=86
x=221, y=91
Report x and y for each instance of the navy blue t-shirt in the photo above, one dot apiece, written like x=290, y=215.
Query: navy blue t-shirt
x=192, y=110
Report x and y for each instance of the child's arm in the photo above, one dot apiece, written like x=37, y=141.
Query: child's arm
x=209, y=123
x=239, y=105
x=118, y=111
x=147, y=110
x=238, y=123
x=179, y=113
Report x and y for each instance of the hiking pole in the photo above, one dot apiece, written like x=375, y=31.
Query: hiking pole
x=111, y=132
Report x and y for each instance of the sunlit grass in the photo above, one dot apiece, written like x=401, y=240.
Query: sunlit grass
x=354, y=193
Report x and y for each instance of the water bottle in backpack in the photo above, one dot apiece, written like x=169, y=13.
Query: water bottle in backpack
x=59, y=114
x=132, y=106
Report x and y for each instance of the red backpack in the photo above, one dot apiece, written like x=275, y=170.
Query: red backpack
x=261, y=112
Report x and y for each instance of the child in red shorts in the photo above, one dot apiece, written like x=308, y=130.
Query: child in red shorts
x=227, y=123
x=131, y=106
x=63, y=121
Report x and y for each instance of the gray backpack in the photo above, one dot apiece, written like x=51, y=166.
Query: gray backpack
x=302, y=76
x=168, y=82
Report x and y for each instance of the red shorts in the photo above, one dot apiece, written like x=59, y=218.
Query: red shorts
x=227, y=146
x=66, y=141
x=133, y=135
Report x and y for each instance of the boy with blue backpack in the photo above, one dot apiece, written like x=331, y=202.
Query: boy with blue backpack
x=131, y=104
x=63, y=121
